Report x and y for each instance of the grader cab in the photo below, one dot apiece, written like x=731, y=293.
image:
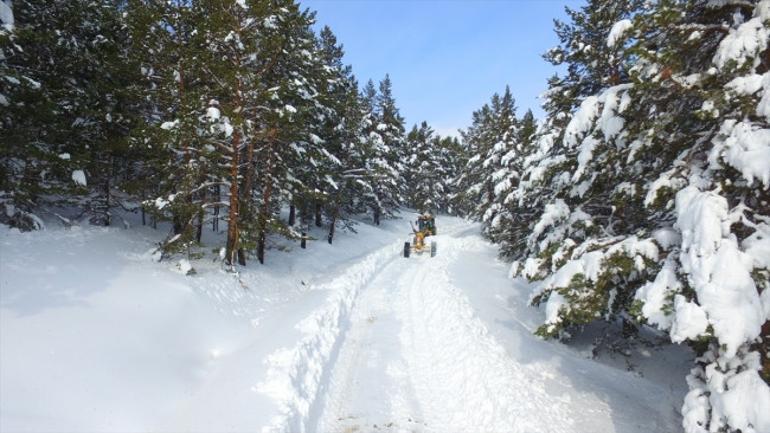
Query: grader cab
x=426, y=227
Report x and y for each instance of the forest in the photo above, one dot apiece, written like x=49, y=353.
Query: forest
x=641, y=199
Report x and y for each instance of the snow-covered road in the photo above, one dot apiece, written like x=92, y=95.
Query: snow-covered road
x=418, y=357
x=333, y=339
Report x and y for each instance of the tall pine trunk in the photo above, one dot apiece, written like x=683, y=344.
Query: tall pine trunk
x=333, y=223
x=318, y=214
x=232, y=218
x=215, y=219
x=267, y=193
x=292, y=215
x=246, y=199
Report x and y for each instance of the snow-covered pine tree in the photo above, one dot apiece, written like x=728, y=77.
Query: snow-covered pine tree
x=574, y=172
x=343, y=168
x=500, y=164
x=450, y=159
x=383, y=142
x=703, y=83
x=24, y=104
x=421, y=169
x=285, y=119
x=491, y=146
x=515, y=216
x=67, y=72
x=476, y=142
x=390, y=184
x=181, y=160
x=657, y=192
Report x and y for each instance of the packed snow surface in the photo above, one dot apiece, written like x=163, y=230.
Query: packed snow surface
x=96, y=336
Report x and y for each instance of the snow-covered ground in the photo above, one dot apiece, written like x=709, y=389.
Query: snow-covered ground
x=95, y=336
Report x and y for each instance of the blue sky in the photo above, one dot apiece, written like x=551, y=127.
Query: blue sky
x=446, y=58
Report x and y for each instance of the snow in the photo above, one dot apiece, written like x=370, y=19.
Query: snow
x=691, y=321
x=79, y=177
x=64, y=156
x=745, y=147
x=553, y=213
x=184, y=266
x=763, y=108
x=654, y=296
x=6, y=14
x=213, y=113
x=582, y=120
x=169, y=125
x=346, y=337
x=745, y=42
x=617, y=31
x=716, y=268
x=746, y=85
x=613, y=102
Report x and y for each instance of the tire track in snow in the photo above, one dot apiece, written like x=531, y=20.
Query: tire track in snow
x=297, y=376
x=463, y=377
x=370, y=389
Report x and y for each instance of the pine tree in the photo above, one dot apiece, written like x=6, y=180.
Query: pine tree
x=489, y=174
x=70, y=123
x=654, y=211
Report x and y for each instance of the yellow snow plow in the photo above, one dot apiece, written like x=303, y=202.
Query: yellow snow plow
x=426, y=226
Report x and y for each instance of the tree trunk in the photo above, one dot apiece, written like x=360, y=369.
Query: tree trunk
x=215, y=220
x=267, y=194
x=232, y=218
x=107, y=216
x=199, y=233
x=318, y=214
x=333, y=224
x=377, y=215
x=303, y=214
x=292, y=215
x=246, y=200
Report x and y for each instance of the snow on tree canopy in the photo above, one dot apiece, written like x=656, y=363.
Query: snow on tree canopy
x=716, y=268
x=746, y=147
x=617, y=31
x=747, y=41
x=79, y=177
x=6, y=14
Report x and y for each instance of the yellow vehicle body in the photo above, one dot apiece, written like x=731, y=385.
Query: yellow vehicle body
x=427, y=227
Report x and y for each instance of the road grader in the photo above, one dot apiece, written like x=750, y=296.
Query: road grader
x=426, y=227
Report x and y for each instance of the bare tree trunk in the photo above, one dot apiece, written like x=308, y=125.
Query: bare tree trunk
x=318, y=214
x=246, y=200
x=215, y=220
x=377, y=215
x=292, y=215
x=107, y=216
x=232, y=218
x=303, y=217
x=333, y=224
x=267, y=194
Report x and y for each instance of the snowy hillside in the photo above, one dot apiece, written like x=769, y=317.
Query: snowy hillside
x=96, y=336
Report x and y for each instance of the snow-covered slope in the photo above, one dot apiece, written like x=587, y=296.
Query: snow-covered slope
x=95, y=336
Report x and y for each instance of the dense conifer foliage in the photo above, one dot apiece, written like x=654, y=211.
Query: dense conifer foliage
x=217, y=114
